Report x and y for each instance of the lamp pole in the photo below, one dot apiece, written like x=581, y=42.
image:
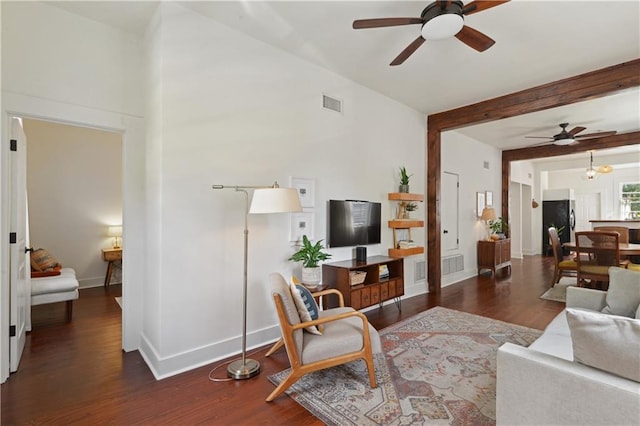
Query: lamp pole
x=244, y=368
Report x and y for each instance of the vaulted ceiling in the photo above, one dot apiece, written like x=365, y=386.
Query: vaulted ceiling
x=536, y=42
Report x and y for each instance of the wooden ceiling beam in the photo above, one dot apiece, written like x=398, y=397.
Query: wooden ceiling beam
x=591, y=85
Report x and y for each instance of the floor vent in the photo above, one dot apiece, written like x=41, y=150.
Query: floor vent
x=420, y=271
x=451, y=264
x=331, y=103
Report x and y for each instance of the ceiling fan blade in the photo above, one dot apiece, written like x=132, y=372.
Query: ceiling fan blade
x=474, y=39
x=542, y=143
x=597, y=135
x=576, y=130
x=408, y=51
x=479, y=6
x=385, y=22
x=539, y=137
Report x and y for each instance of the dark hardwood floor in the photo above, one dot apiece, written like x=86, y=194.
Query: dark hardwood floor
x=77, y=374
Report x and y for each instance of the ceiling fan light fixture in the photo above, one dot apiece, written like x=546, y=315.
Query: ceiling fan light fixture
x=605, y=169
x=564, y=141
x=442, y=26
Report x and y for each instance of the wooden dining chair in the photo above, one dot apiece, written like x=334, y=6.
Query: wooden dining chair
x=597, y=251
x=562, y=267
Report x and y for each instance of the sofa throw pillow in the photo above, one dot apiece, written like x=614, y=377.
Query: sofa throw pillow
x=606, y=342
x=306, y=305
x=44, y=260
x=623, y=296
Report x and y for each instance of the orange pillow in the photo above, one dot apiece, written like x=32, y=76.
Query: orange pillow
x=43, y=260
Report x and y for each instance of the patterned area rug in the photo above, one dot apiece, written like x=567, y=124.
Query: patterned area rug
x=558, y=292
x=438, y=367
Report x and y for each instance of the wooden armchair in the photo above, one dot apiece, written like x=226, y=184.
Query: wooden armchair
x=346, y=336
x=562, y=267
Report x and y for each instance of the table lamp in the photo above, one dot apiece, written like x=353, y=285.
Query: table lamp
x=488, y=214
x=115, y=232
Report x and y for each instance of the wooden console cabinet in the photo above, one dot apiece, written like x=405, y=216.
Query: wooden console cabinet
x=494, y=255
x=374, y=290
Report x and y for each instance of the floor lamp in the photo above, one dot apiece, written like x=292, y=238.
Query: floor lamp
x=266, y=199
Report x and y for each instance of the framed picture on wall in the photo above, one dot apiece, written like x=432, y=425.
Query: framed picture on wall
x=306, y=192
x=479, y=203
x=301, y=224
x=488, y=198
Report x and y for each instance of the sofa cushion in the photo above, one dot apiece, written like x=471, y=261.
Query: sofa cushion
x=607, y=342
x=623, y=295
x=556, y=339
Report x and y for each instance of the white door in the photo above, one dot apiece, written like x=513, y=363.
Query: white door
x=587, y=207
x=19, y=276
x=449, y=209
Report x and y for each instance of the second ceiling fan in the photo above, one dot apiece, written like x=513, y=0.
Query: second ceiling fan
x=570, y=137
x=440, y=19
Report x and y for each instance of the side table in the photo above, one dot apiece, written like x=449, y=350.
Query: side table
x=112, y=256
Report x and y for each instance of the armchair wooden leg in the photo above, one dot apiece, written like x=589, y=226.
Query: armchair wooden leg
x=275, y=347
x=372, y=373
x=288, y=381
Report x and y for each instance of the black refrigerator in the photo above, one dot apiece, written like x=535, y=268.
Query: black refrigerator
x=558, y=213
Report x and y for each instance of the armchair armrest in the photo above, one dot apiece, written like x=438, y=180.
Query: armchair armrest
x=586, y=298
x=330, y=291
x=331, y=318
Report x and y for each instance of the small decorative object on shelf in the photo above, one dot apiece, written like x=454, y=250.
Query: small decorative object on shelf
x=310, y=255
x=357, y=277
x=404, y=180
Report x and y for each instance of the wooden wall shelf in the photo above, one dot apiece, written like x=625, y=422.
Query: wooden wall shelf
x=405, y=196
x=405, y=224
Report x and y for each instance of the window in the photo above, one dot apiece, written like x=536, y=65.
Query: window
x=630, y=200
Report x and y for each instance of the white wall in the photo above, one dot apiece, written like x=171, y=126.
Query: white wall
x=224, y=108
x=74, y=183
x=74, y=70
x=466, y=157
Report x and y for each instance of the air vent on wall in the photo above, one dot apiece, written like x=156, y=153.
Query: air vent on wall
x=420, y=271
x=331, y=103
x=452, y=264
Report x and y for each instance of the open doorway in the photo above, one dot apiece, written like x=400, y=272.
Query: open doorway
x=74, y=187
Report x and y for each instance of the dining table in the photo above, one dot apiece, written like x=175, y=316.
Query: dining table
x=626, y=249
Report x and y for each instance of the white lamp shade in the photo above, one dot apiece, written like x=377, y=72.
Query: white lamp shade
x=275, y=200
x=114, y=231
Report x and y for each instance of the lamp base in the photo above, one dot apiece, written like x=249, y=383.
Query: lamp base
x=239, y=370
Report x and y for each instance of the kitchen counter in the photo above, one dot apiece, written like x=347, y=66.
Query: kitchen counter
x=629, y=223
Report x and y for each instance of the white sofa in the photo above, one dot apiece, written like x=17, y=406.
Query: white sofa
x=542, y=384
x=57, y=288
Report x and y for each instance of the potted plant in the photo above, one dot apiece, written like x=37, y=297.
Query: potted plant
x=411, y=207
x=499, y=228
x=310, y=255
x=404, y=180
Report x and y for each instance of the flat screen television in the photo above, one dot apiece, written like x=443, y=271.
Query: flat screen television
x=353, y=223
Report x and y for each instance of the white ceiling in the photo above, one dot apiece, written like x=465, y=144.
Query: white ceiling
x=537, y=42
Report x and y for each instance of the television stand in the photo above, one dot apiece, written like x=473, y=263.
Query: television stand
x=375, y=289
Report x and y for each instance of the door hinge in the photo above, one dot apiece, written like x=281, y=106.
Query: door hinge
x=13, y=145
x=12, y=331
x=12, y=237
